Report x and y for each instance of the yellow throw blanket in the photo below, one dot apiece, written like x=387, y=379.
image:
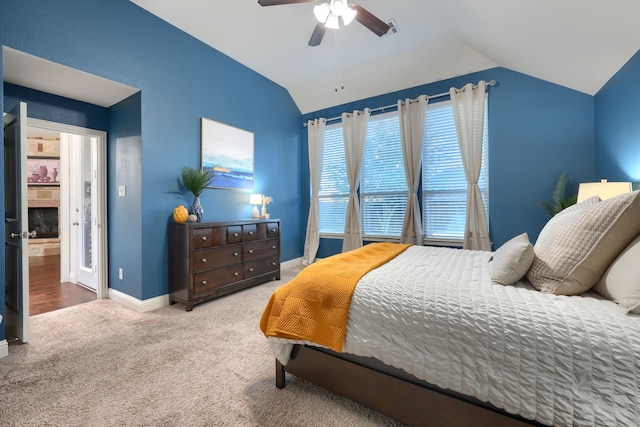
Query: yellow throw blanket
x=314, y=306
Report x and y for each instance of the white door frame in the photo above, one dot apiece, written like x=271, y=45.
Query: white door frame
x=102, y=289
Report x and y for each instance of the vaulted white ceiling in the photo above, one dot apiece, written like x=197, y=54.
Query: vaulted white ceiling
x=579, y=44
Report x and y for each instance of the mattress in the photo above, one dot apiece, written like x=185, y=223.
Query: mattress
x=559, y=360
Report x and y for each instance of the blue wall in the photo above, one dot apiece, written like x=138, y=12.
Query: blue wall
x=181, y=80
x=125, y=158
x=536, y=131
x=618, y=125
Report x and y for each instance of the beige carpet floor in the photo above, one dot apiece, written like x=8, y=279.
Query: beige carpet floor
x=102, y=364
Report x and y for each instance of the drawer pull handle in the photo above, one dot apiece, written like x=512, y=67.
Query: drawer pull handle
x=204, y=238
x=274, y=263
x=250, y=251
x=251, y=269
x=235, y=273
x=204, y=282
x=273, y=230
x=251, y=233
x=273, y=246
x=235, y=234
x=204, y=260
x=235, y=254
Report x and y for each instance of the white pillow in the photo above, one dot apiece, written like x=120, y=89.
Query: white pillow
x=512, y=260
x=575, y=248
x=621, y=281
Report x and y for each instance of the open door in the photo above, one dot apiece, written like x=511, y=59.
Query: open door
x=16, y=219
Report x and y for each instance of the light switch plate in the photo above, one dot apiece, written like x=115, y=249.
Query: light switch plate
x=122, y=190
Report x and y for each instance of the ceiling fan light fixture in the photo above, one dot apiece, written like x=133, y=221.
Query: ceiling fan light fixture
x=332, y=22
x=349, y=15
x=338, y=7
x=322, y=12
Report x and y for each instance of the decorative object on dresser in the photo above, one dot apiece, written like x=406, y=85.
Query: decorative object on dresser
x=196, y=180
x=265, y=201
x=212, y=259
x=255, y=200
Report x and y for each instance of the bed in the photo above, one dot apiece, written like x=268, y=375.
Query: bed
x=439, y=336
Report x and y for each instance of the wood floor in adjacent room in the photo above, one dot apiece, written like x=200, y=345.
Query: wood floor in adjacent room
x=47, y=293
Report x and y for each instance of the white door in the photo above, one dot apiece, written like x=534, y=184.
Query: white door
x=16, y=218
x=85, y=208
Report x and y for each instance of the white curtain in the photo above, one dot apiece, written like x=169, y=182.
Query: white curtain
x=468, y=110
x=412, y=119
x=354, y=128
x=315, y=132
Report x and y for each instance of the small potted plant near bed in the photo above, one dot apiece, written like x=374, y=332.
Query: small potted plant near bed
x=196, y=180
x=562, y=197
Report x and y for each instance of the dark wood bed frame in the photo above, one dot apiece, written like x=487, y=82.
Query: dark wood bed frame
x=394, y=393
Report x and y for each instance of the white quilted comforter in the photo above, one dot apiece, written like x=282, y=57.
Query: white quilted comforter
x=559, y=360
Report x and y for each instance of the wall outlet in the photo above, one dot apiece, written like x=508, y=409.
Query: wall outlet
x=120, y=274
x=122, y=191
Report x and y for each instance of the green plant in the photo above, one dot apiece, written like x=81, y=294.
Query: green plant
x=196, y=180
x=561, y=199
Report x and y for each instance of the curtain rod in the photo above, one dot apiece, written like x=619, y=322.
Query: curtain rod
x=386, y=107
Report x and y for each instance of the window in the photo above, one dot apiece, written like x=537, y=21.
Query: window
x=383, y=187
x=444, y=185
x=334, y=184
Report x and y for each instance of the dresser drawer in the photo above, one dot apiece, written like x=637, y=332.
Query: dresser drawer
x=202, y=237
x=216, y=257
x=260, y=249
x=209, y=280
x=273, y=229
x=234, y=234
x=249, y=232
x=261, y=266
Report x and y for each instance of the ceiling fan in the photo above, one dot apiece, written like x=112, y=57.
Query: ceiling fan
x=330, y=13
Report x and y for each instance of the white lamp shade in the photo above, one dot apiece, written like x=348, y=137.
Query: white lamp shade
x=321, y=12
x=603, y=189
x=255, y=199
x=338, y=7
x=332, y=22
x=348, y=16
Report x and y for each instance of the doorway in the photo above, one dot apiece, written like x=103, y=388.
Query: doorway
x=67, y=209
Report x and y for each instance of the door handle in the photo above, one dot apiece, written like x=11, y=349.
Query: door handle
x=24, y=235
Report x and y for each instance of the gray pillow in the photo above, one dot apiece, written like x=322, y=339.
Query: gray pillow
x=575, y=248
x=621, y=281
x=512, y=260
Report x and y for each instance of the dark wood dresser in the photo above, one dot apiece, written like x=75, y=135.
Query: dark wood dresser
x=211, y=259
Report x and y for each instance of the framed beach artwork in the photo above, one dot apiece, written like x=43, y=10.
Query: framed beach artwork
x=229, y=152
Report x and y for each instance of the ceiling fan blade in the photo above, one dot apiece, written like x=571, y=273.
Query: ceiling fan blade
x=318, y=33
x=371, y=21
x=279, y=2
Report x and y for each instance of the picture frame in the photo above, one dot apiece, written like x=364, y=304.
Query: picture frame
x=43, y=171
x=229, y=152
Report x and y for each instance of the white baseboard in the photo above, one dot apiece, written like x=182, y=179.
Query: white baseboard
x=4, y=348
x=163, y=300
x=291, y=263
x=141, y=306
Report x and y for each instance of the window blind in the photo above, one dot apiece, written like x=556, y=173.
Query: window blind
x=444, y=185
x=334, y=184
x=383, y=185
